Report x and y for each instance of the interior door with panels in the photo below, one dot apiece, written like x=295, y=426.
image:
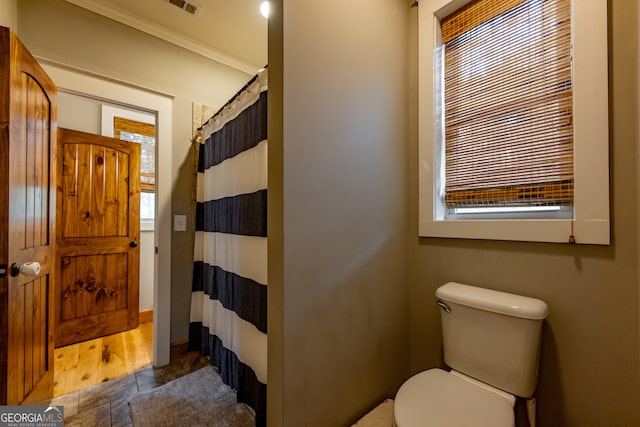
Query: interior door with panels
x=27, y=224
x=98, y=210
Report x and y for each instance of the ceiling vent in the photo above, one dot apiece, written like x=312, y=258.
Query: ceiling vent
x=187, y=6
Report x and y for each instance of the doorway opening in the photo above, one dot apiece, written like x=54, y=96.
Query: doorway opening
x=95, y=90
x=101, y=355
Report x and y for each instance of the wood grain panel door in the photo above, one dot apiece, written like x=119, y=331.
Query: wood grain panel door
x=27, y=225
x=98, y=210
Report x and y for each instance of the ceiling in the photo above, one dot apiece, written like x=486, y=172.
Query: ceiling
x=229, y=31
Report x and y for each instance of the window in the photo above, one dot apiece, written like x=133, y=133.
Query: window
x=143, y=134
x=513, y=130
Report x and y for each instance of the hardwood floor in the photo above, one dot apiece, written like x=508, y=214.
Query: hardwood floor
x=85, y=364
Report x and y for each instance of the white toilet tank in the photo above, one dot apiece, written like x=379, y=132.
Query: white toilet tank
x=492, y=336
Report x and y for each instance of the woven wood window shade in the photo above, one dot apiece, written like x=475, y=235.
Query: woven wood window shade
x=147, y=174
x=508, y=104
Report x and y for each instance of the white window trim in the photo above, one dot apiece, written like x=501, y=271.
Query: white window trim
x=590, y=224
x=109, y=113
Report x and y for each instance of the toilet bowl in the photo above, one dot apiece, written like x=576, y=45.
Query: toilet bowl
x=440, y=398
x=491, y=342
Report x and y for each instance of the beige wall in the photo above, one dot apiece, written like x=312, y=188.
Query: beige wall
x=589, y=373
x=9, y=14
x=59, y=31
x=338, y=325
x=79, y=113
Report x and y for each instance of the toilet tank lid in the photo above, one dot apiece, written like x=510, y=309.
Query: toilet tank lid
x=494, y=301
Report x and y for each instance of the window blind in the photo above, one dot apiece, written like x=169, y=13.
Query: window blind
x=508, y=104
x=144, y=134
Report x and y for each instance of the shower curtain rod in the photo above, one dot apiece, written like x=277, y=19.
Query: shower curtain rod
x=253, y=79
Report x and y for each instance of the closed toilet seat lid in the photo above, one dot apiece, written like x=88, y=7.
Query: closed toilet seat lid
x=438, y=398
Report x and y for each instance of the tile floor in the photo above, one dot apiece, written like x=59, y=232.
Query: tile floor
x=105, y=405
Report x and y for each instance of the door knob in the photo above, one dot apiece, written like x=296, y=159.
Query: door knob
x=28, y=269
x=133, y=244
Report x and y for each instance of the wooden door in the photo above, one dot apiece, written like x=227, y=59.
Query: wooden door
x=98, y=255
x=27, y=224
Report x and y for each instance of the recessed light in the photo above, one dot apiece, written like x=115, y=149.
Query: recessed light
x=264, y=9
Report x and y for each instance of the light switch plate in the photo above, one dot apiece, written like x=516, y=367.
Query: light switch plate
x=179, y=223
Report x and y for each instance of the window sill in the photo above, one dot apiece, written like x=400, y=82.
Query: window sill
x=146, y=225
x=531, y=230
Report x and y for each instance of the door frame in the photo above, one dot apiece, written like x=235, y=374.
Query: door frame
x=90, y=85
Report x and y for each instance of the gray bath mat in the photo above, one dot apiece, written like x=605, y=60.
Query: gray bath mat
x=197, y=399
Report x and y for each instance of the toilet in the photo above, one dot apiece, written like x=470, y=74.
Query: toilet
x=491, y=342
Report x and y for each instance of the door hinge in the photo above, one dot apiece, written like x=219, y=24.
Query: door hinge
x=4, y=270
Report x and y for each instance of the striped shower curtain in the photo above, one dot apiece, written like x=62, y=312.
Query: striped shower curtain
x=229, y=299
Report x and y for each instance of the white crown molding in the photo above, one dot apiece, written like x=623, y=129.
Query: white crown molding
x=165, y=33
